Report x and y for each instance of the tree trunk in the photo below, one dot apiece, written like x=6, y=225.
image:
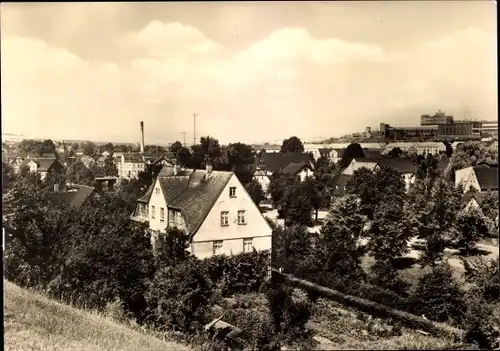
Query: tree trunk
x=316, y=219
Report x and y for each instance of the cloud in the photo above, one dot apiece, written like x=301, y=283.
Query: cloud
x=289, y=82
x=171, y=40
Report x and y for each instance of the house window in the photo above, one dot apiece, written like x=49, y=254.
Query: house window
x=241, y=217
x=157, y=191
x=152, y=212
x=232, y=191
x=224, y=218
x=162, y=214
x=247, y=245
x=217, y=248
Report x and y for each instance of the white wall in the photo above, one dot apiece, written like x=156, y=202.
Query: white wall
x=264, y=181
x=306, y=172
x=256, y=226
x=158, y=201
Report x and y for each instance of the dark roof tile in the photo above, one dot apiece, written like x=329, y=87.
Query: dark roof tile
x=487, y=177
x=276, y=161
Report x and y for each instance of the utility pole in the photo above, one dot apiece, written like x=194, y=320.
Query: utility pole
x=194, y=125
x=184, y=138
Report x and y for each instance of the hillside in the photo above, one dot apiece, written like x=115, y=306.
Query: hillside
x=33, y=322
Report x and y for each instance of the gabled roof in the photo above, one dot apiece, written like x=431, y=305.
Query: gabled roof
x=191, y=192
x=324, y=151
x=478, y=196
x=294, y=168
x=372, y=154
x=443, y=163
x=342, y=179
x=200, y=195
x=402, y=165
x=487, y=177
x=275, y=161
x=74, y=198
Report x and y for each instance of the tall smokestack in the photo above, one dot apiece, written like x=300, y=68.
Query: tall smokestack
x=142, y=136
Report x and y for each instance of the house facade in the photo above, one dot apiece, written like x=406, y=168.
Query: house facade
x=130, y=165
x=213, y=207
x=479, y=178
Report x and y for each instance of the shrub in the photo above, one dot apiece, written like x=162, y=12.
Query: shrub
x=485, y=275
x=384, y=275
x=481, y=325
x=470, y=226
x=238, y=274
x=178, y=297
x=438, y=295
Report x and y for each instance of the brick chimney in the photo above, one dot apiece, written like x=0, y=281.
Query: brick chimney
x=142, y=137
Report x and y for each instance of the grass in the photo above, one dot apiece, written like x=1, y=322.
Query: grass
x=34, y=322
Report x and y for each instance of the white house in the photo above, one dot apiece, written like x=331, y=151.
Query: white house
x=130, y=165
x=301, y=170
x=212, y=206
x=44, y=166
x=479, y=178
x=403, y=166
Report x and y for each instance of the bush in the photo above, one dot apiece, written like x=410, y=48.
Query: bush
x=485, y=276
x=384, y=275
x=470, y=226
x=438, y=295
x=179, y=297
x=238, y=274
x=481, y=325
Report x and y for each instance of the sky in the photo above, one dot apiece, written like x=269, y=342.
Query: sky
x=253, y=72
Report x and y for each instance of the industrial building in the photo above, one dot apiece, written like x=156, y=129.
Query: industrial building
x=489, y=128
x=438, y=118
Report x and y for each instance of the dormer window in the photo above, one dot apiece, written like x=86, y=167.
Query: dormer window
x=232, y=191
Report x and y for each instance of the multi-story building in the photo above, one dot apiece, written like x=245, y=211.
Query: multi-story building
x=130, y=165
x=438, y=118
x=213, y=207
x=489, y=128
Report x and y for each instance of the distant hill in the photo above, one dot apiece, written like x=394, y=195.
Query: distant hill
x=33, y=322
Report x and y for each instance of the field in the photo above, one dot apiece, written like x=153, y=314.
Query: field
x=33, y=322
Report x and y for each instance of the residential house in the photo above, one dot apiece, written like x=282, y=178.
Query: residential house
x=269, y=163
x=403, y=166
x=105, y=153
x=479, y=178
x=44, y=166
x=336, y=154
x=301, y=170
x=267, y=148
x=88, y=161
x=340, y=182
x=130, y=165
x=313, y=149
x=474, y=200
x=372, y=154
x=79, y=152
x=74, y=197
x=455, y=144
x=213, y=207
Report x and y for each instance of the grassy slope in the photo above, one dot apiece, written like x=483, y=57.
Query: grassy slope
x=33, y=322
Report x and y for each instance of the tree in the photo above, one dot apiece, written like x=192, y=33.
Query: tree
x=179, y=297
x=469, y=227
x=28, y=145
x=317, y=193
x=292, y=144
x=437, y=220
x=88, y=148
x=277, y=187
x=109, y=147
x=175, y=147
x=237, y=157
x=183, y=156
x=438, y=295
x=255, y=191
x=484, y=274
x=296, y=205
x=391, y=229
x=46, y=147
x=154, y=149
x=374, y=187
x=172, y=247
x=8, y=177
x=291, y=246
x=210, y=147
x=351, y=152
x=338, y=255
